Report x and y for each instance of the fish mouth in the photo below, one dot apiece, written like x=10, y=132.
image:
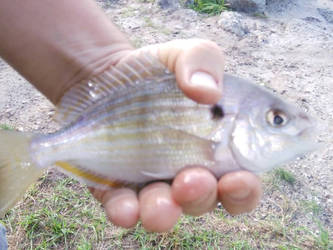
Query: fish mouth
x=312, y=129
x=310, y=132
x=310, y=136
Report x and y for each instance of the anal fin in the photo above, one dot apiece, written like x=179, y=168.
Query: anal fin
x=88, y=178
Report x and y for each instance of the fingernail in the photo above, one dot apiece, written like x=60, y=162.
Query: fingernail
x=202, y=79
x=240, y=194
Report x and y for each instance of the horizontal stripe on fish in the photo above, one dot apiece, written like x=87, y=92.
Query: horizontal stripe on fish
x=163, y=117
x=138, y=99
x=181, y=116
x=121, y=150
x=131, y=120
x=135, y=138
x=135, y=130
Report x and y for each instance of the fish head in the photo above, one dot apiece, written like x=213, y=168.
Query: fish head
x=269, y=132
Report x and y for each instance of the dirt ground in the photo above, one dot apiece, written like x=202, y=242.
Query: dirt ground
x=289, y=51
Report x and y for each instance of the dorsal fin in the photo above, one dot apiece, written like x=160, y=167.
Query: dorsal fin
x=80, y=97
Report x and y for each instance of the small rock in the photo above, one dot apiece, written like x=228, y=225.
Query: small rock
x=326, y=14
x=279, y=6
x=168, y=4
x=184, y=14
x=248, y=6
x=234, y=23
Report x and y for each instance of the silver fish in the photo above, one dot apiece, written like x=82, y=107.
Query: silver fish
x=132, y=124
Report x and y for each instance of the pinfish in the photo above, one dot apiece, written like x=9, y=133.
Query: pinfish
x=132, y=124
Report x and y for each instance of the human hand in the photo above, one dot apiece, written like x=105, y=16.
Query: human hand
x=194, y=191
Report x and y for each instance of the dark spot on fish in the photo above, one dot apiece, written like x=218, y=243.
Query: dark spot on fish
x=217, y=112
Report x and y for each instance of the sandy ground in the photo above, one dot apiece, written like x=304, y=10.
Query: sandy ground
x=289, y=51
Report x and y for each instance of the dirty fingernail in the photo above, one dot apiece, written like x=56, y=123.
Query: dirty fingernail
x=202, y=79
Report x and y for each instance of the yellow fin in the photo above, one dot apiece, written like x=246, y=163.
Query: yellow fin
x=83, y=96
x=17, y=172
x=89, y=178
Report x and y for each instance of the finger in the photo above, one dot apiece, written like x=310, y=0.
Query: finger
x=195, y=190
x=198, y=65
x=239, y=192
x=158, y=211
x=121, y=206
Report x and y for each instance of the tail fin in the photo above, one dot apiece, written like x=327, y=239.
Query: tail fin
x=17, y=172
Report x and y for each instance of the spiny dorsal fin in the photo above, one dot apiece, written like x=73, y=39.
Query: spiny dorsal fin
x=134, y=71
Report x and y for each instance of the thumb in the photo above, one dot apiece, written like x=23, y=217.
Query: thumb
x=198, y=66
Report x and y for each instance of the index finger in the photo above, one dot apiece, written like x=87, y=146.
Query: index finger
x=198, y=65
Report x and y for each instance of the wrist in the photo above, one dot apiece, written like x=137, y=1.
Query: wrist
x=55, y=44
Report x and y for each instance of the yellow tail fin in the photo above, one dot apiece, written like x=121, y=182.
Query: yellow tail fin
x=17, y=172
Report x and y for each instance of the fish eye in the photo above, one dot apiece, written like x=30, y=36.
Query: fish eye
x=276, y=118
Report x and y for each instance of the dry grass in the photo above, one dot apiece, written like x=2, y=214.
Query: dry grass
x=59, y=213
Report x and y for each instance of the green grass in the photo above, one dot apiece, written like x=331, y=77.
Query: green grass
x=323, y=239
x=59, y=213
x=211, y=7
x=284, y=175
x=56, y=229
x=84, y=245
x=241, y=245
x=177, y=239
x=6, y=127
x=311, y=206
